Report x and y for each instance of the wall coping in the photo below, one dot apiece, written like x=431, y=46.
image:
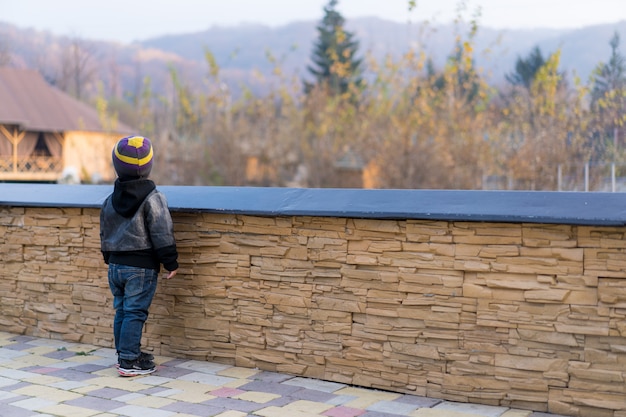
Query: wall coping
x=574, y=208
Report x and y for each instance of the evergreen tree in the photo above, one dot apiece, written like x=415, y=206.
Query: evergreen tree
x=334, y=54
x=608, y=101
x=612, y=75
x=526, y=69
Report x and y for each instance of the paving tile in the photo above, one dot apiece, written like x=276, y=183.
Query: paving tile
x=37, y=360
x=189, y=386
x=129, y=397
x=195, y=397
x=226, y=392
x=166, y=392
x=59, y=354
x=232, y=414
x=392, y=407
x=43, y=380
x=172, y=372
x=16, y=364
x=313, y=395
x=70, y=375
x=239, y=373
x=272, y=387
x=279, y=402
x=16, y=374
x=482, y=410
x=91, y=367
x=10, y=353
x=5, y=382
x=127, y=384
x=136, y=411
x=419, y=401
x=17, y=385
x=342, y=411
x=42, y=350
x=236, y=383
x=430, y=412
x=207, y=378
x=10, y=397
x=151, y=401
x=98, y=404
x=33, y=403
x=193, y=409
x=281, y=412
x=257, y=397
x=235, y=404
x=366, y=398
x=341, y=399
x=69, y=385
x=52, y=394
x=19, y=346
x=7, y=410
x=106, y=393
x=155, y=390
x=153, y=379
x=315, y=384
x=379, y=414
x=517, y=413
x=308, y=406
x=40, y=341
x=271, y=377
x=206, y=367
x=173, y=362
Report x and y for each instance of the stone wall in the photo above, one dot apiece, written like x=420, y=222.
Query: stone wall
x=530, y=316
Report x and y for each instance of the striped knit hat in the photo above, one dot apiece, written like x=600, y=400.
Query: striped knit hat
x=132, y=157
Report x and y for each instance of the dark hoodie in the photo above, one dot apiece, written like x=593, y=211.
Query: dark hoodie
x=136, y=228
x=128, y=195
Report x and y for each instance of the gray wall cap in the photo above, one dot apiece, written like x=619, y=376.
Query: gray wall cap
x=574, y=208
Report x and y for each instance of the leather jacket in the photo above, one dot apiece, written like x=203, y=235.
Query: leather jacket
x=136, y=227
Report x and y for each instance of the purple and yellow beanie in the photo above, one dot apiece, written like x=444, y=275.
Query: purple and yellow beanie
x=132, y=157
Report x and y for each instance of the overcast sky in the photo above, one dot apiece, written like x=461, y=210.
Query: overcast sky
x=128, y=20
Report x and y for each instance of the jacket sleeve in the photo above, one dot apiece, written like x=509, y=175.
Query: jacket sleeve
x=161, y=230
x=105, y=254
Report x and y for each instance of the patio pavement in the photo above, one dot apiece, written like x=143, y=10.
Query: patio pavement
x=42, y=377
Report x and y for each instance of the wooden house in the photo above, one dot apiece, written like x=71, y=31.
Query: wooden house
x=46, y=134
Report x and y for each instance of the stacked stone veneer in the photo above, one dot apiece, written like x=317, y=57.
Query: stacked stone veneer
x=530, y=316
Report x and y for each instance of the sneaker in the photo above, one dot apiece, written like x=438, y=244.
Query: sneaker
x=139, y=366
x=142, y=355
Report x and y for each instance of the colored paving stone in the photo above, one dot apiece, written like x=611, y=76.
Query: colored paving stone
x=40, y=377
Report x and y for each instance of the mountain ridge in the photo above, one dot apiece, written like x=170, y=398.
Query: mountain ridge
x=244, y=49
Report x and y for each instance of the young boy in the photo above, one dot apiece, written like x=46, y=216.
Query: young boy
x=136, y=236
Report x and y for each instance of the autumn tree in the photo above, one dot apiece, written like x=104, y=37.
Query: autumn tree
x=542, y=127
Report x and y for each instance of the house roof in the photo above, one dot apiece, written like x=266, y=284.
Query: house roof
x=31, y=103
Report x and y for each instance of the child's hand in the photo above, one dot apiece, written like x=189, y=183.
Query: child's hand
x=171, y=274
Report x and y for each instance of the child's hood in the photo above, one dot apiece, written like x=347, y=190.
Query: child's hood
x=128, y=195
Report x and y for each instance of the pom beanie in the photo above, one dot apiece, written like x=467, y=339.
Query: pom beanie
x=132, y=157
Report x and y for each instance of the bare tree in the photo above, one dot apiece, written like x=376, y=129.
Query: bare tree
x=5, y=52
x=78, y=67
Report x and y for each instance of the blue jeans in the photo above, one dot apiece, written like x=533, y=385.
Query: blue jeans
x=133, y=289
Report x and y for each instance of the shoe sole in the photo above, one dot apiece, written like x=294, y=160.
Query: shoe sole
x=135, y=372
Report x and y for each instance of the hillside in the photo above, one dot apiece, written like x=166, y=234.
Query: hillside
x=242, y=50
x=245, y=46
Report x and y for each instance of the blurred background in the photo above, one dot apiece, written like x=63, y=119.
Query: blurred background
x=516, y=95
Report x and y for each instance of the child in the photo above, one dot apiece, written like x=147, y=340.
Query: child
x=136, y=236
